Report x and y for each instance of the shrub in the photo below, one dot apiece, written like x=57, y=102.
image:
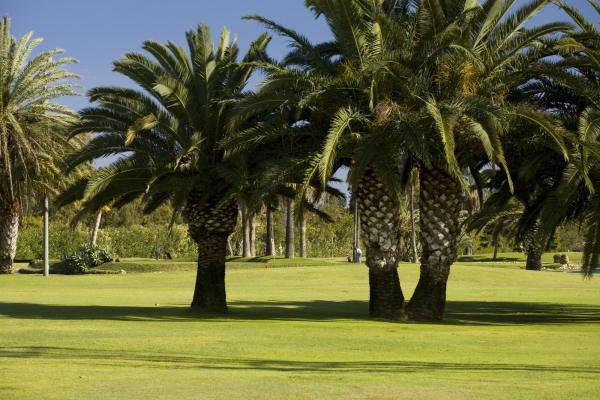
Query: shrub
x=86, y=257
x=63, y=240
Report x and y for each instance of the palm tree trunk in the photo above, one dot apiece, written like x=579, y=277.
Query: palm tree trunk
x=303, y=236
x=439, y=210
x=210, y=227
x=495, y=249
x=209, y=292
x=9, y=231
x=379, y=213
x=289, y=230
x=253, y=235
x=96, y=228
x=270, y=234
x=245, y=228
x=413, y=237
x=534, y=261
x=534, y=251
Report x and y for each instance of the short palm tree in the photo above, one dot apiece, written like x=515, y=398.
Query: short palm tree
x=168, y=134
x=33, y=129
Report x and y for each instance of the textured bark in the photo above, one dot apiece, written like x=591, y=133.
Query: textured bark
x=386, y=299
x=210, y=226
x=270, y=235
x=245, y=229
x=9, y=231
x=379, y=222
x=96, y=228
x=303, y=237
x=289, y=230
x=440, y=198
x=253, y=235
x=534, y=251
x=534, y=262
x=209, y=293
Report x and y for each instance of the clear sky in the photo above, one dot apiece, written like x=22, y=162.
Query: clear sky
x=96, y=32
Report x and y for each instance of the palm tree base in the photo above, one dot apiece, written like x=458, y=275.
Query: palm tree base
x=6, y=267
x=429, y=299
x=386, y=298
x=209, y=293
x=534, y=262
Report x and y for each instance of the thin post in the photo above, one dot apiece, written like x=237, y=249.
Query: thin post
x=46, y=260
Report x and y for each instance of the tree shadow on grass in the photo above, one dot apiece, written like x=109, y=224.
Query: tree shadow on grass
x=122, y=357
x=468, y=259
x=457, y=312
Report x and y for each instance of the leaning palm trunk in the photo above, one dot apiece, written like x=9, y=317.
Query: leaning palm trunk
x=209, y=227
x=533, y=251
x=439, y=206
x=96, y=228
x=9, y=231
x=379, y=221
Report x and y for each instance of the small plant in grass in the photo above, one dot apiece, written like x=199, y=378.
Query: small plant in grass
x=86, y=257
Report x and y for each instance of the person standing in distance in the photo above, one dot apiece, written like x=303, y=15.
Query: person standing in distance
x=358, y=255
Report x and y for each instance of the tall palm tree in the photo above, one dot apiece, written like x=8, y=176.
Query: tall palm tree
x=310, y=85
x=463, y=58
x=572, y=90
x=168, y=133
x=404, y=85
x=33, y=134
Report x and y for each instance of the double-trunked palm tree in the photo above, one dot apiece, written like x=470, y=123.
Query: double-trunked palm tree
x=405, y=85
x=168, y=134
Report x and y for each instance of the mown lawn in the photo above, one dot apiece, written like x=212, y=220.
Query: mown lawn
x=298, y=333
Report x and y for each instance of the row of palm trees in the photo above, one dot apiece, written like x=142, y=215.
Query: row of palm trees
x=445, y=88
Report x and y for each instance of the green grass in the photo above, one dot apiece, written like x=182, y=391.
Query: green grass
x=297, y=333
x=574, y=257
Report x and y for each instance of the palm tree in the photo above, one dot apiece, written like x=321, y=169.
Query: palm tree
x=308, y=86
x=405, y=85
x=438, y=97
x=455, y=114
x=33, y=135
x=572, y=90
x=168, y=133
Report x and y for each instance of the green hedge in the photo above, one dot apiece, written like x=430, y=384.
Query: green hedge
x=133, y=241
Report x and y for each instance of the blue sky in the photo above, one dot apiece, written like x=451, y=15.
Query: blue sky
x=98, y=32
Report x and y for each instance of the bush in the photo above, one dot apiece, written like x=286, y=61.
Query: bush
x=63, y=240
x=140, y=241
x=86, y=257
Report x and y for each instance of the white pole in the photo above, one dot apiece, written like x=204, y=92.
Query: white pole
x=46, y=261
